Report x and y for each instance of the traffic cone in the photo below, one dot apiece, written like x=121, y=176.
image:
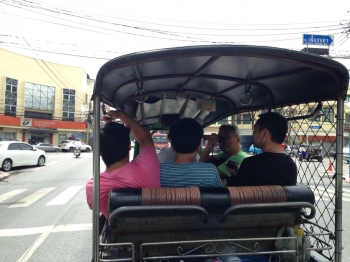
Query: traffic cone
x=330, y=166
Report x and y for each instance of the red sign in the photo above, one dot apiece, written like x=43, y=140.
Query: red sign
x=43, y=123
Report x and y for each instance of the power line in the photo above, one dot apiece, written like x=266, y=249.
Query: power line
x=57, y=53
x=171, y=32
x=189, y=39
x=41, y=61
x=117, y=31
x=53, y=73
x=71, y=45
x=181, y=21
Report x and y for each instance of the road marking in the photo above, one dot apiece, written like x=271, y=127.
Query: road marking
x=23, y=231
x=40, y=230
x=331, y=190
x=63, y=198
x=73, y=227
x=44, y=233
x=26, y=256
x=11, y=194
x=32, y=198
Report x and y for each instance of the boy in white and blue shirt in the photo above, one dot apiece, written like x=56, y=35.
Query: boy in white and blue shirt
x=185, y=136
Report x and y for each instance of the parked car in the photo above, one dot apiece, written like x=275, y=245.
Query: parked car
x=68, y=145
x=47, y=147
x=14, y=153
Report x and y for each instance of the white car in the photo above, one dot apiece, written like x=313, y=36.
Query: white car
x=68, y=145
x=14, y=153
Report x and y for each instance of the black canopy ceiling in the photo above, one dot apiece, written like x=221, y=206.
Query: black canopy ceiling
x=237, y=78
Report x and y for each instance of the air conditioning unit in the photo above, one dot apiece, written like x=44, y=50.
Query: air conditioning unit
x=347, y=125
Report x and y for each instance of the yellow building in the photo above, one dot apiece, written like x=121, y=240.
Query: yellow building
x=42, y=101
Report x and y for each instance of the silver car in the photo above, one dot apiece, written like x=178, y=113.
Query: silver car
x=47, y=147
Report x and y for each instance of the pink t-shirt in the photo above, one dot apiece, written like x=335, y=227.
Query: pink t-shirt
x=142, y=172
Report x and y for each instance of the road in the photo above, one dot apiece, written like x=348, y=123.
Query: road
x=44, y=215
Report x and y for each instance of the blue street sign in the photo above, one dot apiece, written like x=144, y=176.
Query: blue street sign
x=315, y=127
x=318, y=40
x=78, y=135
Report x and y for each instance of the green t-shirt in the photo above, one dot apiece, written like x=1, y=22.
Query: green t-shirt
x=237, y=158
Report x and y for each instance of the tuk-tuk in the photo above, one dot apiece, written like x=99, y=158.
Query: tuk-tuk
x=211, y=83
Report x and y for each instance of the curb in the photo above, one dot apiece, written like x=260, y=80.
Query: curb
x=3, y=175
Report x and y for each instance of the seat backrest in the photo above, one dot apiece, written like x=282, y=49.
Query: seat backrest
x=164, y=215
x=211, y=199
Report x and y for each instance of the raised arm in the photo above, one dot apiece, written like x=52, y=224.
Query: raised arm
x=205, y=155
x=138, y=131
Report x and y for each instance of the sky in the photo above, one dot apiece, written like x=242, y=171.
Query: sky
x=88, y=33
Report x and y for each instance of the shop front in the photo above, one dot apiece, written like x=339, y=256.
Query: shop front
x=35, y=131
x=34, y=135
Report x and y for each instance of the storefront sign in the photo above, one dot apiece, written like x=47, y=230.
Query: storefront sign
x=41, y=123
x=26, y=121
x=44, y=123
x=246, y=131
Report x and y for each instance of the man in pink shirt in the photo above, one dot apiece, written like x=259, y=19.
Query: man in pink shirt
x=142, y=172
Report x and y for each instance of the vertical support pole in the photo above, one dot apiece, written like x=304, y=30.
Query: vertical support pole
x=339, y=180
x=96, y=178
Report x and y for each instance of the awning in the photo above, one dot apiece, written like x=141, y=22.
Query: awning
x=42, y=130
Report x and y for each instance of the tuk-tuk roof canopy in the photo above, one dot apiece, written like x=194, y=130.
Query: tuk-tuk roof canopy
x=209, y=83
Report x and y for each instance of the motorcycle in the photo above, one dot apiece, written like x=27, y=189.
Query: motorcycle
x=76, y=152
x=310, y=152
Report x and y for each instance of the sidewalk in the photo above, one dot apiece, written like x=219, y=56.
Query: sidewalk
x=3, y=175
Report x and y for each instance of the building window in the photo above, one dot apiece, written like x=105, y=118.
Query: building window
x=328, y=115
x=317, y=118
x=347, y=98
x=68, y=108
x=6, y=136
x=223, y=121
x=347, y=118
x=246, y=119
x=11, y=97
x=238, y=119
x=39, y=97
x=41, y=115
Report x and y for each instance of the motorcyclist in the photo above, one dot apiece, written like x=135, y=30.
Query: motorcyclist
x=302, y=150
x=77, y=144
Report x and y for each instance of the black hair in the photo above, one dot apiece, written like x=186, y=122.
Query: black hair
x=276, y=124
x=114, y=142
x=185, y=135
